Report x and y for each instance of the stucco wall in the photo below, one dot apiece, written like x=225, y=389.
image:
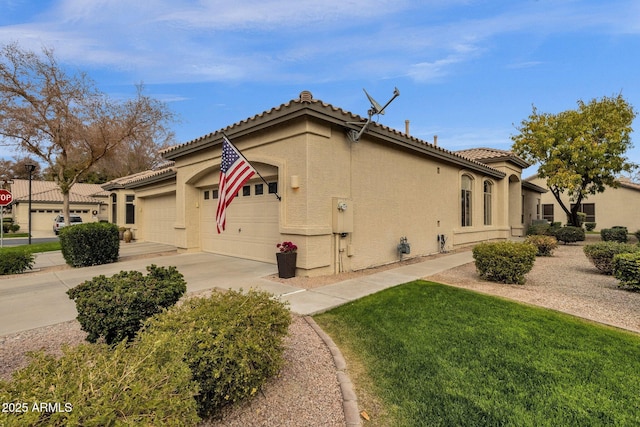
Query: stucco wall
x=615, y=206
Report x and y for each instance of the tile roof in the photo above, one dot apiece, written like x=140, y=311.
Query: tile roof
x=141, y=178
x=329, y=113
x=48, y=191
x=627, y=183
x=492, y=155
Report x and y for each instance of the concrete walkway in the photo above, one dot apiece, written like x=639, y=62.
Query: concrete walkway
x=39, y=298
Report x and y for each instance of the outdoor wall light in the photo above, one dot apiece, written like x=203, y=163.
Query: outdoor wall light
x=295, y=182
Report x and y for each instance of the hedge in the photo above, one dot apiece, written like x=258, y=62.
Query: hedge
x=601, y=254
x=15, y=260
x=114, y=307
x=545, y=244
x=505, y=262
x=96, y=385
x=615, y=234
x=93, y=243
x=569, y=234
x=232, y=341
x=626, y=268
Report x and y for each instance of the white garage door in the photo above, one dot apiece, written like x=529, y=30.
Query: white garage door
x=252, y=224
x=159, y=218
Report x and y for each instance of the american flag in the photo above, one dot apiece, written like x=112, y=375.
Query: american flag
x=235, y=170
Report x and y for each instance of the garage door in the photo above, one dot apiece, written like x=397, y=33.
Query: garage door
x=252, y=229
x=159, y=216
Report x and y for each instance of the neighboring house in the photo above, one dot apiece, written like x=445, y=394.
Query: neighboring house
x=345, y=204
x=160, y=209
x=87, y=200
x=614, y=206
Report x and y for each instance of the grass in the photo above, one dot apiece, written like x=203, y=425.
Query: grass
x=34, y=247
x=435, y=355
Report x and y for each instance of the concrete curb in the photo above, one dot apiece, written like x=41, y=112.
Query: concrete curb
x=349, y=398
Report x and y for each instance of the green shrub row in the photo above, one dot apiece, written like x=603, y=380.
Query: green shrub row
x=190, y=360
x=98, y=385
x=626, y=268
x=9, y=226
x=569, y=234
x=545, y=244
x=614, y=234
x=601, y=254
x=232, y=341
x=15, y=260
x=93, y=243
x=113, y=308
x=505, y=262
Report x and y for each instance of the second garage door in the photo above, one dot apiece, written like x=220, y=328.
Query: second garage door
x=159, y=216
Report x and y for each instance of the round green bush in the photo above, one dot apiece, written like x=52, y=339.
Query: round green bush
x=505, y=262
x=232, y=341
x=15, y=260
x=615, y=234
x=569, y=234
x=626, y=268
x=601, y=254
x=93, y=243
x=97, y=385
x=115, y=307
x=545, y=244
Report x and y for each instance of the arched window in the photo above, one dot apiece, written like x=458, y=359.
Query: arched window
x=488, y=190
x=466, y=200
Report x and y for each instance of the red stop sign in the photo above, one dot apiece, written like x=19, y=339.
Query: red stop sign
x=5, y=197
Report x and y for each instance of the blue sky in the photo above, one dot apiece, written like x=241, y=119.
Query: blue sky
x=468, y=71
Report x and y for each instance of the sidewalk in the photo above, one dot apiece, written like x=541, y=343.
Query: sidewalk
x=39, y=298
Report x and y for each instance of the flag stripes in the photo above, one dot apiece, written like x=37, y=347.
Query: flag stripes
x=235, y=171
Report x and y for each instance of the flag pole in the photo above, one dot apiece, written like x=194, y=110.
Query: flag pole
x=247, y=160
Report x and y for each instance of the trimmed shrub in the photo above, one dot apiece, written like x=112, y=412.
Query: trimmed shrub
x=115, y=307
x=93, y=243
x=545, y=244
x=582, y=217
x=626, y=268
x=570, y=234
x=15, y=260
x=538, y=229
x=601, y=254
x=637, y=234
x=505, y=262
x=615, y=234
x=590, y=226
x=232, y=341
x=95, y=385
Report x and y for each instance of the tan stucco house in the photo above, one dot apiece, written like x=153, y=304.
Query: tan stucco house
x=87, y=200
x=614, y=207
x=345, y=204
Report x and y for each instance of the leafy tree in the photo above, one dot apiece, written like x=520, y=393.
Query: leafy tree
x=62, y=119
x=581, y=151
x=16, y=169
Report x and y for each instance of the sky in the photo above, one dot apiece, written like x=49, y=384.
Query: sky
x=468, y=71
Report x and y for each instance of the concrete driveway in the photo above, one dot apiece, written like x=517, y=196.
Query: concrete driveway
x=39, y=298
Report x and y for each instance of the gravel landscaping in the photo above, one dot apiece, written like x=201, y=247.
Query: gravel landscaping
x=307, y=392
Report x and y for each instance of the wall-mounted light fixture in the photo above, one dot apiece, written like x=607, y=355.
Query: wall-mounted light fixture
x=295, y=182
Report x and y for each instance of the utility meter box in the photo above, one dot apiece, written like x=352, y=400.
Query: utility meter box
x=342, y=212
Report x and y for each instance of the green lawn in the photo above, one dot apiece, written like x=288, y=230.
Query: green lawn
x=436, y=355
x=34, y=247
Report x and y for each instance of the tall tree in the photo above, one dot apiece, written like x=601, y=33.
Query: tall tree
x=580, y=152
x=16, y=169
x=64, y=120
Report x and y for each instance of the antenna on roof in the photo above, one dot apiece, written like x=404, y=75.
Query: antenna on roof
x=375, y=109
